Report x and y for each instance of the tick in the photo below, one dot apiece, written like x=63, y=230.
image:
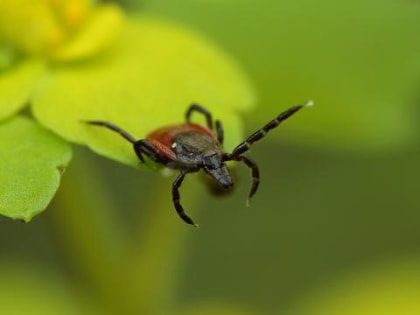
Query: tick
x=190, y=147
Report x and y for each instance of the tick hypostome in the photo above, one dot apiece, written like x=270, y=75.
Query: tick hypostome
x=190, y=147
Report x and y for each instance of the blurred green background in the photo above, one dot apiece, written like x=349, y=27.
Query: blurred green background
x=335, y=226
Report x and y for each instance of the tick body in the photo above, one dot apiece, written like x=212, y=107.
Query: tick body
x=190, y=147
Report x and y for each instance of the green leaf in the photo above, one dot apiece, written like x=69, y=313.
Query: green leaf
x=156, y=71
x=29, y=160
x=17, y=84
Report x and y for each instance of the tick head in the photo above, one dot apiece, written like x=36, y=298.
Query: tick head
x=216, y=168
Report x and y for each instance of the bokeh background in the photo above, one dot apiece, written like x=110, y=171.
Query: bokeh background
x=335, y=226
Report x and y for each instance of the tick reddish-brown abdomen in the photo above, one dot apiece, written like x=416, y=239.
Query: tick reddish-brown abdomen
x=162, y=138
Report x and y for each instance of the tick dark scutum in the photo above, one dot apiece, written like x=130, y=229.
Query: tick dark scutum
x=204, y=149
x=191, y=147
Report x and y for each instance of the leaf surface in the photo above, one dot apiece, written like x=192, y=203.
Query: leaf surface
x=29, y=160
x=17, y=84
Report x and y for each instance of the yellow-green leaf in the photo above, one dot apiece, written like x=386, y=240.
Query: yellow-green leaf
x=17, y=84
x=156, y=71
x=30, y=158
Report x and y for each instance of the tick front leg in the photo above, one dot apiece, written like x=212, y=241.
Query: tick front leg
x=255, y=176
x=176, y=199
x=254, y=172
x=202, y=110
x=259, y=134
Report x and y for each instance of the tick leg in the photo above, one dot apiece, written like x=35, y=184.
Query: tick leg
x=144, y=147
x=220, y=133
x=254, y=172
x=112, y=127
x=255, y=176
x=176, y=199
x=202, y=110
x=244, y=146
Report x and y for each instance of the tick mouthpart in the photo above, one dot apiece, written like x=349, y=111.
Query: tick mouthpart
x=221, y=176
x=225, y=182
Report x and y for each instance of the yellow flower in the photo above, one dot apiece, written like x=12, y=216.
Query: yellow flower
x=58, y=29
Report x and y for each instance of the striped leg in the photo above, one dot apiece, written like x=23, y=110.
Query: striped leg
x=255, y=176
x=259, y=134
x=176, y=199
x=254, y=172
